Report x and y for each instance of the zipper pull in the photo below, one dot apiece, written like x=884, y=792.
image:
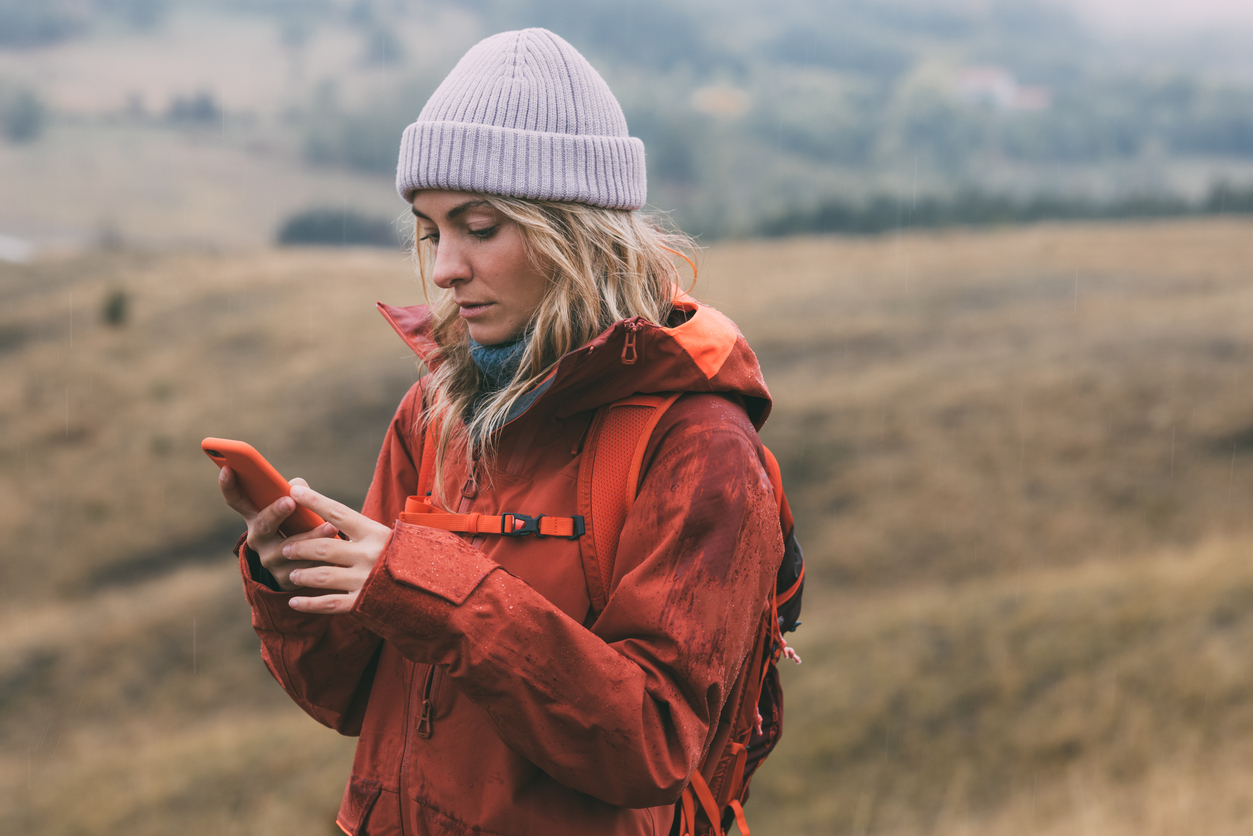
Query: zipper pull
x=629, y=354
x=424, y=724
x=428, y=688
x=471, y=486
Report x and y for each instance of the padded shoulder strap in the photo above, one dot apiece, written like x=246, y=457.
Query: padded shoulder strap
x=609, y=475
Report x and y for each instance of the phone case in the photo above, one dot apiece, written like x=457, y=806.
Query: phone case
x=258, y=480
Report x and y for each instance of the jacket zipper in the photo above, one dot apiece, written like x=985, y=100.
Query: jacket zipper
x=404, y=754
x=425, y=722
x=426, y=718
x=470, y=488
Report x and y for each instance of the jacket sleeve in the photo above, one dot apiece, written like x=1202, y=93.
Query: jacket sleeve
x=326, y=663
x=625, y=710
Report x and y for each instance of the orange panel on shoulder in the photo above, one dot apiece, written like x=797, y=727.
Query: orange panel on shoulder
x=708, y=336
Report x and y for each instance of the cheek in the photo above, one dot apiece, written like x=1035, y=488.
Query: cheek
x=537, y=287
x=528, y=287
x=522, y=286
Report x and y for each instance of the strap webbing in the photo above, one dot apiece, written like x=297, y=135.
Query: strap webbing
x=420, y=512
x=776, y=481
x=739, y=816
x=707, y=803
x=784, y=597
x=687, y=813
x=739, y=752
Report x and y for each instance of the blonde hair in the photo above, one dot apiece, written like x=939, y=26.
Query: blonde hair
x=603, y=265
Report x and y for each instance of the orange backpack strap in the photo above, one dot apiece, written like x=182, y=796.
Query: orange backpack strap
x=418, y=511
x=609, y=475
x=608, y=481
x=698, y=792
x=776, y=482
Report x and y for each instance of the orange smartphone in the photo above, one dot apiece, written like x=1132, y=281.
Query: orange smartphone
x=259, y=481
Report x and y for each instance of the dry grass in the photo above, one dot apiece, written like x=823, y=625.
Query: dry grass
x=937, y=703
x=963, y=403
x=1021, y=509
x=145, y=710
x=236, y=772
x=102, y=425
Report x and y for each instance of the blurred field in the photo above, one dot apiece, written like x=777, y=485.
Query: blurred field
x=1020, y=461
x=147, y=185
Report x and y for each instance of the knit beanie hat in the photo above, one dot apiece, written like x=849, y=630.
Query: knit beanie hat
x=523, y=114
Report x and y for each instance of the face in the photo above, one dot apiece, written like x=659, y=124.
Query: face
x=481, y=259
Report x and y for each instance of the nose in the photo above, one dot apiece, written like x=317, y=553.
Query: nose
x=450, y=266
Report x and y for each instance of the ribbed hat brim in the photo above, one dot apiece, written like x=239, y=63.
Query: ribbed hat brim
x=603, y=171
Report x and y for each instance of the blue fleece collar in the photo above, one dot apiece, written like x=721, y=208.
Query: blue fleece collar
x=497, y=363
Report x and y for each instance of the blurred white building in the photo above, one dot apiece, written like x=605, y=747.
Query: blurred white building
x=996, y=87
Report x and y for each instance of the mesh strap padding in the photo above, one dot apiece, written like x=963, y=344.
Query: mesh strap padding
x=608, y=479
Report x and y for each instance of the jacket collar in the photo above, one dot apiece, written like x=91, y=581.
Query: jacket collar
x=702, y=351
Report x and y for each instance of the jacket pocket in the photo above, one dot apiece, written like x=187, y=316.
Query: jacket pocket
x=359, y=798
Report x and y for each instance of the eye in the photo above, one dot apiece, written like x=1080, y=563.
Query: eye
x=432, y=236
x=484, y=233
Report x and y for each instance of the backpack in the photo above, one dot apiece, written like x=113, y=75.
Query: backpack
x=608, y=480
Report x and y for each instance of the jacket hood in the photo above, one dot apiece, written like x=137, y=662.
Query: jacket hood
x=701, y=350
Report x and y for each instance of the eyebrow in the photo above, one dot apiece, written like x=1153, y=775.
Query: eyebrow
x=456, y=211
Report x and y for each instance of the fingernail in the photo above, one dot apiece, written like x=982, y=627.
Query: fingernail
x=294, y=577
x=294, y=489
x=286, y=551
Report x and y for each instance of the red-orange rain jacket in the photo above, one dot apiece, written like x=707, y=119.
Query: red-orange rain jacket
x=487, y=696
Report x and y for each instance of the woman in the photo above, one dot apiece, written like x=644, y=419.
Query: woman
x=489, y=693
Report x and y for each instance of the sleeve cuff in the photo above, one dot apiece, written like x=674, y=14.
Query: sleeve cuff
x=422, y=577
x=259, y=573
x=251, y=564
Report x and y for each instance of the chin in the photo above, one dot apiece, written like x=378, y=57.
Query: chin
x=487, y=337
x=494, y=334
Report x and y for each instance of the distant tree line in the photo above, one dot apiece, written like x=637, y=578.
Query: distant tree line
x=972, y=207
x=327, y=227
x=324, y=226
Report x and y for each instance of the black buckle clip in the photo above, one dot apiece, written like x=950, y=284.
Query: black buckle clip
x=530, y=525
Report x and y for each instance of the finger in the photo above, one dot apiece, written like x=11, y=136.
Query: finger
x=298, y=481
x=324, y=604
x=322, y=531
x=336, y=513
x=271, y=517
x=321, y=550
x=330, y=578
x=229, y=485
x=278, y=566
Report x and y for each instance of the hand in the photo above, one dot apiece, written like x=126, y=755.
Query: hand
x=263, y=534
x=339, y=566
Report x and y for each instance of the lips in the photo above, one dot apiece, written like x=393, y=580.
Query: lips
x=472, y=309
